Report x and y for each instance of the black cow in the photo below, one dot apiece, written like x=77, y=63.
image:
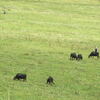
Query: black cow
x=79, y=57
x=73, y=56
x=50, y=80
x=94, y=54
x=20, y=76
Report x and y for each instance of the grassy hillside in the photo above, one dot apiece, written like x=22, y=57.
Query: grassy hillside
x=36, y=38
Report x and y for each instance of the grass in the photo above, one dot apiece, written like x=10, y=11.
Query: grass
x=36, y=38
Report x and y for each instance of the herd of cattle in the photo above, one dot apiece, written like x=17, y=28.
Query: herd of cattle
x=50, y=80
x=76, y=56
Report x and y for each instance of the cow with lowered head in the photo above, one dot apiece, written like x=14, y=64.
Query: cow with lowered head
x=74, y=56
x=50, y=80
x=79, y=57
x=20, y=76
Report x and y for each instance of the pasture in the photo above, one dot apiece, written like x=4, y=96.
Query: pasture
x=37, y=37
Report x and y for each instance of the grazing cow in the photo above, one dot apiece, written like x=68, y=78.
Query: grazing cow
x=50, y=80
x=73, y=56
x=20, y=76
x=94, y=54
x=79, y=57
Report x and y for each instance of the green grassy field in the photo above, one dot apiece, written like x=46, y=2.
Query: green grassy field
x=37, y=37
